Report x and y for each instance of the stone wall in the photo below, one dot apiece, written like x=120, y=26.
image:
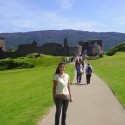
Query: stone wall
x=92, y=47
x=27, y=48
x=51, y=49
x=75, y=50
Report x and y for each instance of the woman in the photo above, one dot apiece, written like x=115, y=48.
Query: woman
x=61, y=93
x=80, y=71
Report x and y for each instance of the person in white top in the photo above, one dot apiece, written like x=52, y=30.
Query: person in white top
x=61, y=93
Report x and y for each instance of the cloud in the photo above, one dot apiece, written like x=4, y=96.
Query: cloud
x=18, y=16
x=120, y=20
x=44, y=20
x=85, y=26
x=23, y=18
x=67, y=4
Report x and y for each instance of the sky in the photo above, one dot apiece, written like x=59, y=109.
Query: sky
x=85, y=15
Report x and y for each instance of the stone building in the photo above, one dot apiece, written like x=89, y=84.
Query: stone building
x=58, y=49
x=55, y=49
x=27, y=48
x=2, y=44
x=75, y=50
x=51, y=49
x=92, y=47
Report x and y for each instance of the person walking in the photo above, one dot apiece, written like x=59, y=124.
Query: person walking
x=61, y=93
x=76, y=62
x=80, y=71
x=88, y=71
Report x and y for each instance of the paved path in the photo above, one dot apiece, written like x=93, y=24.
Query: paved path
x=93, y=104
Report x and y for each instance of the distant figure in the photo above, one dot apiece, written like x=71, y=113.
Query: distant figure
x=83, y=63
x=88, y=71
x=61, y=93
x=80, y=70
x=80, y=57
x=76, y=62
x=67, y=59
x=72, y=59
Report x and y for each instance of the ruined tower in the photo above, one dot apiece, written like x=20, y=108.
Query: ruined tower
x=2, y=44
x=66, y=47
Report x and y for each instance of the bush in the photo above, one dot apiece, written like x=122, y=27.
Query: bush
x=101, y=55
x=118, y=48
x=111, y=52
x=11, y=64
x=35, y=55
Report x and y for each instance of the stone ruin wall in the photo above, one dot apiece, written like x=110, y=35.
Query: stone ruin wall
x=51, y=49
x=93, y=48
x=75, y=50
x=27, y=48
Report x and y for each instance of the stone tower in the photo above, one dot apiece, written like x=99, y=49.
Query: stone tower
x=92, y=47
x=2, y=44
x=66, y=47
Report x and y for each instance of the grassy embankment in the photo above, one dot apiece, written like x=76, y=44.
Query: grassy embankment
x=26, y=94
x=112, y=70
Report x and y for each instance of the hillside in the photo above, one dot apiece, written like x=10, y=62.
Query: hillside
x=110, y=39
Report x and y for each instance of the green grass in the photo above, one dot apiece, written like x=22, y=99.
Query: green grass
x=38, y=62
x=26, y=94
x=44, y=61
x=112, y=70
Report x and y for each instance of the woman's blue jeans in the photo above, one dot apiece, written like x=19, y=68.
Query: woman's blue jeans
x=61, y=104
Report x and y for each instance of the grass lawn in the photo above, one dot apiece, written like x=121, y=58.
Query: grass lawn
x=26, y=94
x=112, y=70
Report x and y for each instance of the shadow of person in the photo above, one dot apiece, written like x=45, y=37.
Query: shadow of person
x=78, y=84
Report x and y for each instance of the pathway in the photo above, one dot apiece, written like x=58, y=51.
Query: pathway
x=93, y=104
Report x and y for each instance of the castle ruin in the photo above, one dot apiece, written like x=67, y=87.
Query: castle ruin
x=92, y=48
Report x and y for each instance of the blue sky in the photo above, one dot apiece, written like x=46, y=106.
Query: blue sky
x=86, y=15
